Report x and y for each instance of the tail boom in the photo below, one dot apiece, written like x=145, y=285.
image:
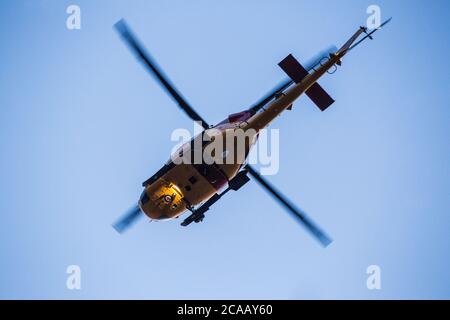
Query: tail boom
x=307, y=85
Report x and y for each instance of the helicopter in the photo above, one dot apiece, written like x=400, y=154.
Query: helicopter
x=194, y=186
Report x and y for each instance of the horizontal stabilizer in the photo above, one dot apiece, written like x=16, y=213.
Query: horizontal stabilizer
x=297, y=73
x=319, y=96
x=293, y=68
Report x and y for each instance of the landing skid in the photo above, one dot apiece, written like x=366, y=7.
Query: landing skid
x=234, y=184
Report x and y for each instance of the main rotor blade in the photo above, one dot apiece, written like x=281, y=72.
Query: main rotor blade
x=154, y=69
x=127, y=220
x=286, y=83
x=296, y=212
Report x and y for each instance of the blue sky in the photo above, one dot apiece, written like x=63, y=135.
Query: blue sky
x=83, y=124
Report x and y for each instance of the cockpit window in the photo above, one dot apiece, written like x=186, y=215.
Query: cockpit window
x=144, y=198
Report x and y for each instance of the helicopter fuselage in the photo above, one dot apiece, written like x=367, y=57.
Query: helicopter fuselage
x=186, y=184
x=192, y=176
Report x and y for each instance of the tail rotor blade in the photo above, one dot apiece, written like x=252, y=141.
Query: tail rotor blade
x=296, y=212
x=369, y=35
x=127, y=220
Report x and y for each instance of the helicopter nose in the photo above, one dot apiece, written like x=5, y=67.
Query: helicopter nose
x=160, y=202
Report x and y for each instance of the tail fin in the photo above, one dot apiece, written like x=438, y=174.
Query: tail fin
x=369, y=35
x=350, y=41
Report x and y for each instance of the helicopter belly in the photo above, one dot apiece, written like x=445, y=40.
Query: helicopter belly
x=183, y=186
